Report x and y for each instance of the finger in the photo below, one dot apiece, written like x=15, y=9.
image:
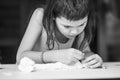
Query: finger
x=96, y=65
x=96, y=58
x=79, y=55
x=74, y=60
x=88, y=59
x=92, y=62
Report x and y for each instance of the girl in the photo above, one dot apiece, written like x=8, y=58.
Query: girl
x=60, y=32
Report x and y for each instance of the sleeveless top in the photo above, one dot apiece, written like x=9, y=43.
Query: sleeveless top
x=40, y=44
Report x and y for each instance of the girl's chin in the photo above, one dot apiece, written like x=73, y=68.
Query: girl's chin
x=71, y=36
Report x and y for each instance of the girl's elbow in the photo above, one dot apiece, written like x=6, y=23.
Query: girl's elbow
x=19, y=57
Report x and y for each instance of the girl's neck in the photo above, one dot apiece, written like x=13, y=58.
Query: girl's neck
x=60, y=37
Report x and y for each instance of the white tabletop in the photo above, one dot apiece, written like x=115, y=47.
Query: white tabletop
x=111, y=70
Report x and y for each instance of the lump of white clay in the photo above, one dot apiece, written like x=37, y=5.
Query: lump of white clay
x=58, y=66
x=50, y=66
x=24, y=68
x=27, y=61
x=26, y=65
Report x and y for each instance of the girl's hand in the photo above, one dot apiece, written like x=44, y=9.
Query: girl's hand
x=93, y=61
x=68, y=56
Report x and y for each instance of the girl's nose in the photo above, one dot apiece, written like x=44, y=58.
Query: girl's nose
x=74, y=32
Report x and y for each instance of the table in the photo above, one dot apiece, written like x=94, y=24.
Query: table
x=111, y=71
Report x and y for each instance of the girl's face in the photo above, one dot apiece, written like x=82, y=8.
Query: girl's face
x=70, y=28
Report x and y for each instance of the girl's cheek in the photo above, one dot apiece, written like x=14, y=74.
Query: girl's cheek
x=81, y=29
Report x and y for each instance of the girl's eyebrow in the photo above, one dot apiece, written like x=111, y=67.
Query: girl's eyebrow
x=82, y=24
x=76, y=26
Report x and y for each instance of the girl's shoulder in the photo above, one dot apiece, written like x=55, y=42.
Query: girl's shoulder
x=39, y=11
x=38, y=14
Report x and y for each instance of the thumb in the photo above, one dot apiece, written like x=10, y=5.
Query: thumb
x=79, y=55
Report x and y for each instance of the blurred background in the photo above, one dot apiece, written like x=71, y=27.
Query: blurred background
x=15, y=14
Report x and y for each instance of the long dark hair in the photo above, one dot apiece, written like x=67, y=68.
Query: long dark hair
x=71, y=10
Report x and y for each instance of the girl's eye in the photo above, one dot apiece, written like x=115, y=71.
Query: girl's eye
x=67, y=26
x=82, y=24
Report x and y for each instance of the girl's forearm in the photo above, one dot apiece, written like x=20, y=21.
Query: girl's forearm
x=35, y=56
x=38, y=57
x=88, y=53
x=50, y=56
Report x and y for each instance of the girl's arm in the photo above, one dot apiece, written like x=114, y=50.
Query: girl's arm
x=87, y=50
x=33, y=31
x=91, y=59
